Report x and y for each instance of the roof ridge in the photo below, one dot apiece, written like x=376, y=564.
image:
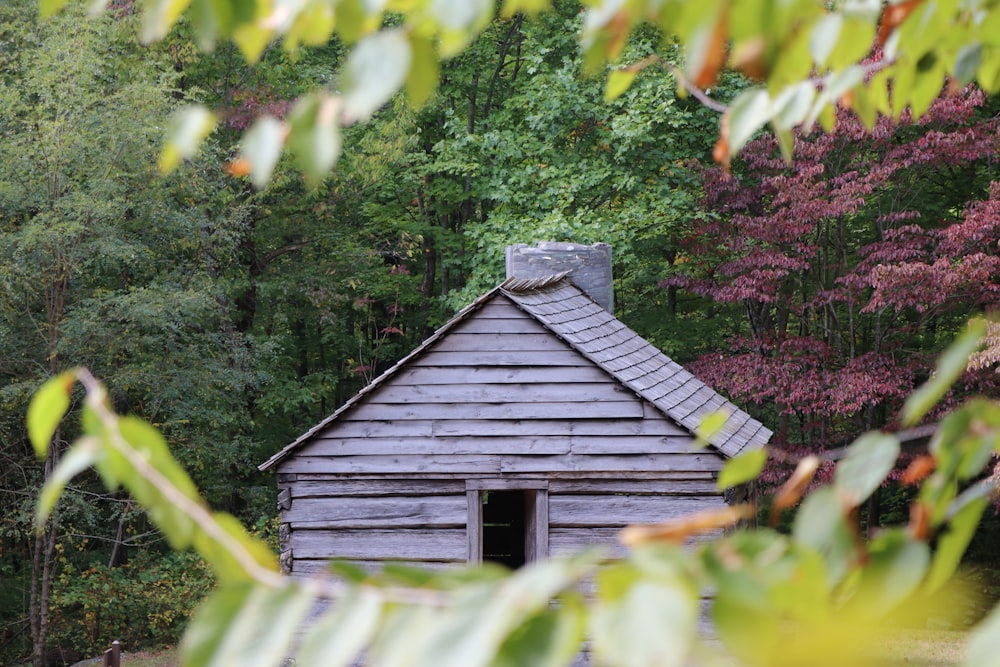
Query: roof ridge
x=516, y=284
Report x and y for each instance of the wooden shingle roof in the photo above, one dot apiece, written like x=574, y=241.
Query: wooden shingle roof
x=572, y=316
x=595, y=333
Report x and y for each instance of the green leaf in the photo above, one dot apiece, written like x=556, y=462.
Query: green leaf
x=221, y=555
x=895, y=568
x=711, y=424
x=422, y=79
x=741, y=469
x=824, y=37
x=251, y=40
x=792, y=104
x=967, y=63
x=47, y=8
x=343, y=632
x=186, y=129
x=207, y=629
x=650, y=621
x=160, y=16
x=951, y=546
x=748, y=113
x=619, y=81
x=261, y=147
x=748, y=631
x=314, y=137
x=549, y=639
x=950, y=365
x=246, y=625
x=77, y=459
x=822, y=525
x=511, y=7
x=459, y=21
x=47, y=408
x=375, y=70
x=869, y=460
x=983, y=646
x=470, y=632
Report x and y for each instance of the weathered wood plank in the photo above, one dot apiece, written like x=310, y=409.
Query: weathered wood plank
x=416, y=544
x=616, y=428
x=499, y=444
x=322, y=565
x=624, y=463
x=683, y=487
x=392, y=464
x=568, y=425
x=501, y=307
x=565, y=357
x=566, y=541
x=474, y=526
x=507, y=484
x=380, y=512
x=566, y=476
x=519, y=323
x=548, y=392
x=493, y=463
x=424, y=375
x=581, y=510
x=376, y=487
x=521, y=342
x=284, y=499
x=437, y=445
x=538, y=525
x=638, y=444
x=622, y=409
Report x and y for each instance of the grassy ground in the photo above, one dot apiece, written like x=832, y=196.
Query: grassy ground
x=926, y=648
x=166, y=658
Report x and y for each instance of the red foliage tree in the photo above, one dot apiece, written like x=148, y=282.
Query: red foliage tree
x=853, y=265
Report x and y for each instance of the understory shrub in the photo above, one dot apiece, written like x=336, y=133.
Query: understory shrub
x=144, y=603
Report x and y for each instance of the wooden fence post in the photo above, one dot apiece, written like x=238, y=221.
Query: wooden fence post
x=113, y=656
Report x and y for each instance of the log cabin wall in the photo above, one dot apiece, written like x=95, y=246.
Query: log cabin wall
x=499, y=402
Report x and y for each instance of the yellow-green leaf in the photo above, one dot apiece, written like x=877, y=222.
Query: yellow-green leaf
x=261, y=147
x=619, y=81
x=160, y=16
x=869, y=459
x=742, y=468
x=375, y=70
x=47, y=8
x=78, y=458
x=343, y=632
x=423, y=76
x=186, y=129
x=47, y=408
x=950, y=365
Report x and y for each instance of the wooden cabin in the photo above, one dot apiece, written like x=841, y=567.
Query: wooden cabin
x=532, y=423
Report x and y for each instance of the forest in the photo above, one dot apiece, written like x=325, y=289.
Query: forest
x=816, y=293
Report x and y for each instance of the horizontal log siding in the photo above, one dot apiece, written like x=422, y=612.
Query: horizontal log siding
x=380, y=512
x=417, y=544
x=492, y=464
x=500, y=394
x=589, y=513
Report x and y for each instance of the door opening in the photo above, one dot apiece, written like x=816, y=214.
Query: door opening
x=505, y=527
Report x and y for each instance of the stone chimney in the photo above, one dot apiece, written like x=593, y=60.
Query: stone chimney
x=589, y=266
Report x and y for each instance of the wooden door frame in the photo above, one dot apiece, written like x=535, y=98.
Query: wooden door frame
x=537, y=519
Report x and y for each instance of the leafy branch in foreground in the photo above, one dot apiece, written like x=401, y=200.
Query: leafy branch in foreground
x=819, y=596
x=806, y=57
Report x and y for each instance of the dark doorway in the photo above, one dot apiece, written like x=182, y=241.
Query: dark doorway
x=505, y=527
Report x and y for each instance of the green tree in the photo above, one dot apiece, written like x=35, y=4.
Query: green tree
x=808, y=59
x=107, y=263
